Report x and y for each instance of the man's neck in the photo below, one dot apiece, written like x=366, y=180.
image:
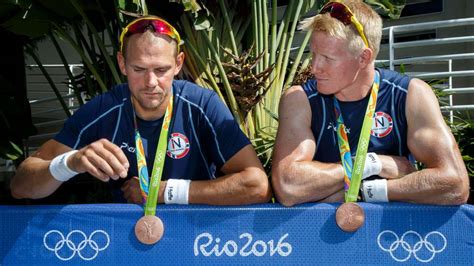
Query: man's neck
x=360, y=88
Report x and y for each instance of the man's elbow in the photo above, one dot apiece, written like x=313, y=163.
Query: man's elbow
x=21, y=193
x=15, y=194
x=282, y=189
x=458, y=197
x=461, y=190
x=463, y=197
x=285, y=198
x=18, y=192
x=259, y=187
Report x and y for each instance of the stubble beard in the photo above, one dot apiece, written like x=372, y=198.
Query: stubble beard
x=150, y=105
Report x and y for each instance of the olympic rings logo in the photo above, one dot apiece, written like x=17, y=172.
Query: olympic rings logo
x=412, y=243
x=87, y=248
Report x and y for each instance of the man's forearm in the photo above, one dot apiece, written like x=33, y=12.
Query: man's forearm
x=33, y=180
x=246, y=187
x=429, y=186
x=309, y=182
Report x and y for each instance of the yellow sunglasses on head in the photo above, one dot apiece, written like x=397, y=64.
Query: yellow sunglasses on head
x=344, y=14
x=156, y=24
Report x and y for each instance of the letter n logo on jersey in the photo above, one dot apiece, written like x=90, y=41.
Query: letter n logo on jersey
x=178, y=146
x=382, y=125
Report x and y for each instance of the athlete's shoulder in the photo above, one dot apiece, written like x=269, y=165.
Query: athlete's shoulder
x=394, y=79
x=310, y=88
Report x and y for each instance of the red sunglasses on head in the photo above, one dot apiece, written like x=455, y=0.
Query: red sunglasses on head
x=156, y=24
x=344, y=14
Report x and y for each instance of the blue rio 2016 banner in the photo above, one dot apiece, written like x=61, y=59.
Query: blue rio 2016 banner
x=103, y=234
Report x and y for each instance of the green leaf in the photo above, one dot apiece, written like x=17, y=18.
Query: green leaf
x=32, y=22
x=388, y=8
x=467, y=158
x=202, y=23
x=272, y=114
x=122, y=4
x=9, y=150
x=189, y=5
x=61, y=8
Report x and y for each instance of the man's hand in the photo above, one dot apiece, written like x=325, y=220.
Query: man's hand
x=102, y=159
x=394, y=167
x=131, y=191
x=372, y=166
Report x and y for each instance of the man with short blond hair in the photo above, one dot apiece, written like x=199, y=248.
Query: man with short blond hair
x=322, y=123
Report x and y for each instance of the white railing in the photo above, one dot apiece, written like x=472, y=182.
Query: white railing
x=55, y=115
x=446, y=60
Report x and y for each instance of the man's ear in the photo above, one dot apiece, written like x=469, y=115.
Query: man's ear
x=121, y=63
x=365, y=58
x=179, y=63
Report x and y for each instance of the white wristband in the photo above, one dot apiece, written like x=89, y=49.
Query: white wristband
x=373, y=165
x=59, y=169
x=177, y=191
x=375, y=190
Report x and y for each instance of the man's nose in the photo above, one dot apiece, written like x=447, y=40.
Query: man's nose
x=151, y=80
x=316, y=65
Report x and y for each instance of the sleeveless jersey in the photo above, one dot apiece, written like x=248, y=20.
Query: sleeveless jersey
x=389, y=125
x=203, y=134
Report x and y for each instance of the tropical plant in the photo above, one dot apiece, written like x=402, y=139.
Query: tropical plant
x=250, y=56
x=239, y=50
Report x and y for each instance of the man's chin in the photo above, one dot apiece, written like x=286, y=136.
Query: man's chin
x=150, y=105
x=324, y=91
x=154, y=106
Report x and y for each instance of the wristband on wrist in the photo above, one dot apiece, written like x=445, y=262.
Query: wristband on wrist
x=59, y=169
x=375, y=190
x=177, y=191
x=373, y=165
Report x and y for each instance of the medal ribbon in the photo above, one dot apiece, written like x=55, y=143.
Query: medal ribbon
x=353, y=175
x=150, y=193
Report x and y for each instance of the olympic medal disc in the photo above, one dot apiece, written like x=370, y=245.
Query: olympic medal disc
x=350, y=217
x=149, y=229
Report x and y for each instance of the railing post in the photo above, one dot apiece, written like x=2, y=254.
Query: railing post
x=391, y=48
x=70, y=89
x=450, y=86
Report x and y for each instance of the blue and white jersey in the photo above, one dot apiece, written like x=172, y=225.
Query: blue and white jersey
x=389, y=125
x=203, y=134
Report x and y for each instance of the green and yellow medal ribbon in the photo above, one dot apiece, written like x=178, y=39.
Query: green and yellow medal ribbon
x=150, y=188
x=353, y=174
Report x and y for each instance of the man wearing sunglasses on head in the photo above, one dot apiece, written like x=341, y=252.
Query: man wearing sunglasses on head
x=152, y=128
x=353, y=114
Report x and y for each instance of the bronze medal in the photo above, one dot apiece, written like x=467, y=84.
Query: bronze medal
x=149, y=229
x=350, y=217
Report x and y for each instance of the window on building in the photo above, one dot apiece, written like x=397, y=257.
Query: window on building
x=421, y=7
